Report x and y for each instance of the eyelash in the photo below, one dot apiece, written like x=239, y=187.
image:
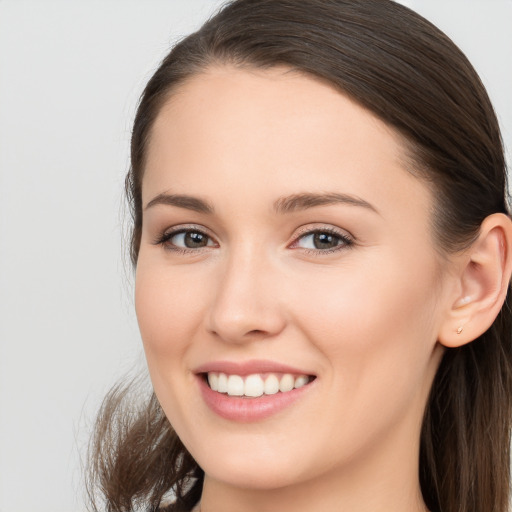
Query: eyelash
x=345, y=241
x=165, y=238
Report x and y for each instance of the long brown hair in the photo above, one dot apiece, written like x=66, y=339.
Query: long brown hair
x=409, y=74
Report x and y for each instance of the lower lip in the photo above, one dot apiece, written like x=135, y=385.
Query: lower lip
x=246, y=410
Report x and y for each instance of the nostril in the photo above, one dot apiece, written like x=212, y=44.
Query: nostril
x=255, y=332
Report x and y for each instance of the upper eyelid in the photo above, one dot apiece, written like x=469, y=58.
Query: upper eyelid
x=164, y=236
x=301, y=231
x=322, y=228
x=181, y=228
x=347, y=240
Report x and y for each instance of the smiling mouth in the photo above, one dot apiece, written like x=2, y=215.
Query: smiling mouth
x=255, y=385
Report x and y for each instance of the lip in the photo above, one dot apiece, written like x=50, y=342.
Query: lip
x=244, y=368
x=245, y=409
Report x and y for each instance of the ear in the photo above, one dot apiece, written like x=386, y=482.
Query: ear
x=482, y=280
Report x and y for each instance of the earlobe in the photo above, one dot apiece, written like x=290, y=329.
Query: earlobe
x=483, y=279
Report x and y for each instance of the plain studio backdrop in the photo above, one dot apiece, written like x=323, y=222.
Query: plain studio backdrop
x=70, y=76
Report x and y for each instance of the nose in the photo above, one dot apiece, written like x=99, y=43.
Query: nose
x=247, y=304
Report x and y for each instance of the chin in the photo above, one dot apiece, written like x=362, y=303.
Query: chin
x=252, y=462
x=251, y=475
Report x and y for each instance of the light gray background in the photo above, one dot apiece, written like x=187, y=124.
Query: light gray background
x=70, y=75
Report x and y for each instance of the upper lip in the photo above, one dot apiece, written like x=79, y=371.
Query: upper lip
x=243, y=368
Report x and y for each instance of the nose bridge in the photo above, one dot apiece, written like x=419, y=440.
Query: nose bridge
x=246, y=305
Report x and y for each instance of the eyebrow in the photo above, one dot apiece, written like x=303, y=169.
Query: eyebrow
x=307, y=200
x=288, y=204
x=182, y=201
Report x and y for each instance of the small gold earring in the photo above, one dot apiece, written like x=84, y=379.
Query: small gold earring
x=460, y=329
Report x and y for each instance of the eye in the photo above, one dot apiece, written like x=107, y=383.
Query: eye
x=190, y=239
x=185, y=240
x=323, y=240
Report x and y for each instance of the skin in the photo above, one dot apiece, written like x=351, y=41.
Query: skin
x=365, y=319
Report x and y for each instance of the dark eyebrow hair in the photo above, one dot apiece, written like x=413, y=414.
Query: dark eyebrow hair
x=181, y=201
x=287, y=204
x=307, y=200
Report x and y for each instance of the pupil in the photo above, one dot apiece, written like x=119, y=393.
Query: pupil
x=325, y=241
x=193, y=240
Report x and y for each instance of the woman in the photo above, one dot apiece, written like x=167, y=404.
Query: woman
x=323, y=249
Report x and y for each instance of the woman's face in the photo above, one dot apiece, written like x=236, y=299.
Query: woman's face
x=285, y=244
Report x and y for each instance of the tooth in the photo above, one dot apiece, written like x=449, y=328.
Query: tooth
x=287, y=383
x=254, y=385
x=301, y=381
x=222, y=384
x=235, y=385
x=271, y=385
x=213, y=380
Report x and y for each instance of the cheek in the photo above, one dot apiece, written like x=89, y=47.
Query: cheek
x=377, y=335
x=375, y=327
x=168, y=315
x=167, y=309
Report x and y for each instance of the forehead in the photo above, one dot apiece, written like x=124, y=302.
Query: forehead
x=267, y=133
